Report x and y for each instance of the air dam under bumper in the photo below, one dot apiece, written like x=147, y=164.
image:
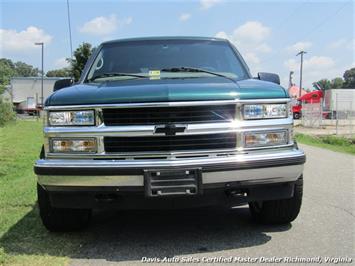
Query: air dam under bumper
x=252, y=168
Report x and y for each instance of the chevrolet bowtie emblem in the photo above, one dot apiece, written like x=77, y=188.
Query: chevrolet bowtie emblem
x=169, y=129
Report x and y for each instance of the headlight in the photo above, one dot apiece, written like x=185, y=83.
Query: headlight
x=264, y=111
x=72, y=118
x=87, y=145
x=265, y=139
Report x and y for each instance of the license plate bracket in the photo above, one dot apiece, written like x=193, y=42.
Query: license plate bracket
x=172, y=182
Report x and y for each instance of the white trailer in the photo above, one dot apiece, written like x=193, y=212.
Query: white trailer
x=339, y=100
x=26, y=92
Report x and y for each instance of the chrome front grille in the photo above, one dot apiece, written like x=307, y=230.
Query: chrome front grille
x=170, y=143
x=137, y=131
x=165, y=115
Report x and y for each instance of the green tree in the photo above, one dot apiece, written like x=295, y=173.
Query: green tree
x=24, y=70
x=349, y=78
x=337, y=83
x=7, y=71
x=63, y=72
x=81, y=56
x=324, y=84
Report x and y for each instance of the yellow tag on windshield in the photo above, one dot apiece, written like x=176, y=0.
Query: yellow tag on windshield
x=154, y=73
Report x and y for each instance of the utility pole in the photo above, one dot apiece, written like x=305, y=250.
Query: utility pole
x=290, y=83
x=69, y=26
x=301, y=69
x=42, y=45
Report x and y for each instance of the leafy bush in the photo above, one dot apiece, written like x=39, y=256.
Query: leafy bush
x=333, y=140
x=6, y=112
x=334, y=143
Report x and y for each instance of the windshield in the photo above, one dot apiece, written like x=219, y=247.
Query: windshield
x=147, y=57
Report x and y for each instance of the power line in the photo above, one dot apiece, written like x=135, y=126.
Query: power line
x=285, y=21
x=327, y=19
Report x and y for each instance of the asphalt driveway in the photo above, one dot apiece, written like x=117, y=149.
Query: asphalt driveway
x=324, y=228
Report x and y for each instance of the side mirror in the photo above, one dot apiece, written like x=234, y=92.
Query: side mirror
x=271, y=77
x=62, y=83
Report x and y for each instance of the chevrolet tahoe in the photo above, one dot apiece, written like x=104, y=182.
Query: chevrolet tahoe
x=163, y=123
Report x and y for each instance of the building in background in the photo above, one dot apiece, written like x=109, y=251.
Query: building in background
x=25, y=92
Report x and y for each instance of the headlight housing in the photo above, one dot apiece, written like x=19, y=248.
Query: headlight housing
x=66, y=145
x=71, y=118
x=264, y=111
x=262, y=139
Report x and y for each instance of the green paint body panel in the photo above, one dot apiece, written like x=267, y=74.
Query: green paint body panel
x=164, y=90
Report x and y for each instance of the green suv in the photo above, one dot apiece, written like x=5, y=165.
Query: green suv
x=168, y=122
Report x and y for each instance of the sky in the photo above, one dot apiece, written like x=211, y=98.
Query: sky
x=268, y=34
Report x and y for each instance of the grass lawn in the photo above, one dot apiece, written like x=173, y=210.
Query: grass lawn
x=23, y=239
x=333, y=143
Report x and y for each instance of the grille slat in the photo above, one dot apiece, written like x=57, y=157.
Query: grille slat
x=161, y=115
x=139, y=141
x=170, y=143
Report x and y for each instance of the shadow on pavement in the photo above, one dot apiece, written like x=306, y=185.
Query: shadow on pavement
x=130, y=235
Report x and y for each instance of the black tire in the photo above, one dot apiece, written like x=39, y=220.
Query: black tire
x=58, y=219
x=278, y=211
x=296, y=115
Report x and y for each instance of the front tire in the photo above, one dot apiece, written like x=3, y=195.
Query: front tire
x=278, y=211
x=60, y=219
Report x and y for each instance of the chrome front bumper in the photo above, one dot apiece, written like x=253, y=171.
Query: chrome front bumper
x=256, y=167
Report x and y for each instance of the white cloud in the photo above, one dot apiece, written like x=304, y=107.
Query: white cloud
x=206, y=4
x=314, y=69
x=352, y=45
x=253, y=31
x=343, y=43
x=321, y=62
x=338, y=43
x=23, y=41
x=61, y=62
x=322, y=67
x=299, y=46
x=104, y=25
x=250, y=39
x=184, y=17
x=126, y=21
x=315, y=63
x=263, y=48
x=221, y=34
x=252, y=58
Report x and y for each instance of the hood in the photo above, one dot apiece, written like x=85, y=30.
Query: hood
x=164, y=90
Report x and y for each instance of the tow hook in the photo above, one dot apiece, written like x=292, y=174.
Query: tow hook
x=106, y=197
x=238, y=193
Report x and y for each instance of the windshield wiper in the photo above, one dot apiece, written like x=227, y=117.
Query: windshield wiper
x=193, y=69
x=116, y=74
